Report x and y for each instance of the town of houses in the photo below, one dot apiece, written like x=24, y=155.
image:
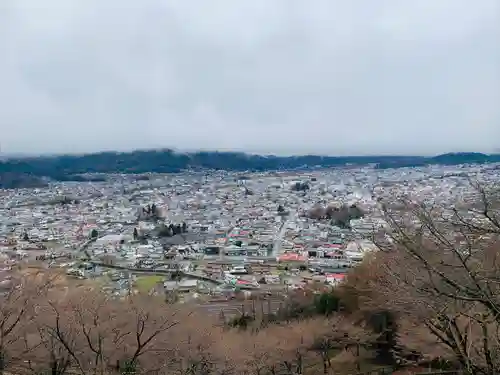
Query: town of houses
x=212, y=233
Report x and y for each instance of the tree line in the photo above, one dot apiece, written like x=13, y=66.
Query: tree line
x=27, y=171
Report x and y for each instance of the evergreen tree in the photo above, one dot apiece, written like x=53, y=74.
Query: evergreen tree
x=165, y=231
x=384, y=323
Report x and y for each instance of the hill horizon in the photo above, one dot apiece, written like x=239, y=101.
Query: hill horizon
x=36, y=171
x=187, y=151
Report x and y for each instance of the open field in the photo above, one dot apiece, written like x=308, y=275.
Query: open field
x=147, y=282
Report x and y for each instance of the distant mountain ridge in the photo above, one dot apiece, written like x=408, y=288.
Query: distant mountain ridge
x=70, y=167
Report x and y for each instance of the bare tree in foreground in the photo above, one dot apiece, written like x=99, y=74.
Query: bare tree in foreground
x=92, y=334
x=441, y=268
x=17, y=310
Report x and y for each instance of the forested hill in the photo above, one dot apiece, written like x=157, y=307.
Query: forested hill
x=68, y=167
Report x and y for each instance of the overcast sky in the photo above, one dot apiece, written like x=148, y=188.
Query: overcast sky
x=332, y=77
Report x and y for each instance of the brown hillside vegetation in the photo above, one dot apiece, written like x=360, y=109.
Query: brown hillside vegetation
x=429, y=298
x=84, y=332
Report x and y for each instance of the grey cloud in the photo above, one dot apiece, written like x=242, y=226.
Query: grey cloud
x=283, y=76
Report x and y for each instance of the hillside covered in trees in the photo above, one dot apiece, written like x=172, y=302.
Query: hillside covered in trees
x=14, y=171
